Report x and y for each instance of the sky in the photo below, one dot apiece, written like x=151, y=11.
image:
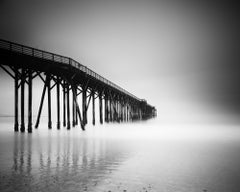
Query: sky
x=181, y=56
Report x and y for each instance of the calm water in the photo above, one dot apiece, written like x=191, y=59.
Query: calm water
x=147, y=156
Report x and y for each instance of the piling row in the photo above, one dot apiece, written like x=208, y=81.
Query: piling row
x=71, y=82
x=113, y=107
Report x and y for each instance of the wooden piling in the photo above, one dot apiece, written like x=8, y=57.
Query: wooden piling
x=29, y=100
x=73, y=108
x=22, y=100
x=127, y=112
x=124, y=112
x=116, y=113
x=58, y=103
x=93, y=107
x=106, y=108
x=100, y=108
x=78, y=109
x=68, y=109
x=115, y=110
x=41, y=104
x=122, y=109
x=76, y=113
x=121, y=112
x=49, y=101
x=84, y=106
x=16, y=100
x=64, y=103
x=110, y=110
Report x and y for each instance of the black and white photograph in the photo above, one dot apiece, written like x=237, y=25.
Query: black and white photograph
x=119, y=96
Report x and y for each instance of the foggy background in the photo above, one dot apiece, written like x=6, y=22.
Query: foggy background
x=182, y=57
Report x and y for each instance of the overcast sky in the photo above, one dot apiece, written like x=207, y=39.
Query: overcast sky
x=180, y=56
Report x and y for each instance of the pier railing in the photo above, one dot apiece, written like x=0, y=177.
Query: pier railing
x=30, y=51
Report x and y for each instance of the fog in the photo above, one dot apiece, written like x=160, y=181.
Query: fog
x=180, y=56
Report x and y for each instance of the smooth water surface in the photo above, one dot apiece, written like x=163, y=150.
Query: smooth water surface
x=147, y=156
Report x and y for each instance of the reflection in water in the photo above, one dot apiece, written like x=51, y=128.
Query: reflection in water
x=132, y=157
x=59, y=161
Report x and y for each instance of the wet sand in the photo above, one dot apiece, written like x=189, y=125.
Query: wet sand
x=143, y=157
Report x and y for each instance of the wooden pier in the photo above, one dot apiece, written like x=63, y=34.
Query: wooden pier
x=24, y=64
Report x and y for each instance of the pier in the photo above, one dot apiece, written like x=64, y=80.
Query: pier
x=74, y=80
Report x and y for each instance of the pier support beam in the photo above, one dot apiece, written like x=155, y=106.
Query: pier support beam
x=49, y=101
x=64, y=103
x=58, y=103
x=73, y=108
x=114, y=110
x=22, y=100
x=77, y=108
x=127, y=112
x=117, y=110
x=16, y=99
x=41, y=104
x=84, y=105
x=29, y=100
x=121, y=112
x=68, y=109
x=106, y=108
x=100, y=108
x=93, y=107
x=110, y=110
x=76, y=113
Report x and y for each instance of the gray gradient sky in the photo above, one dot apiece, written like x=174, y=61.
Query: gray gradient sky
x=179, y=55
